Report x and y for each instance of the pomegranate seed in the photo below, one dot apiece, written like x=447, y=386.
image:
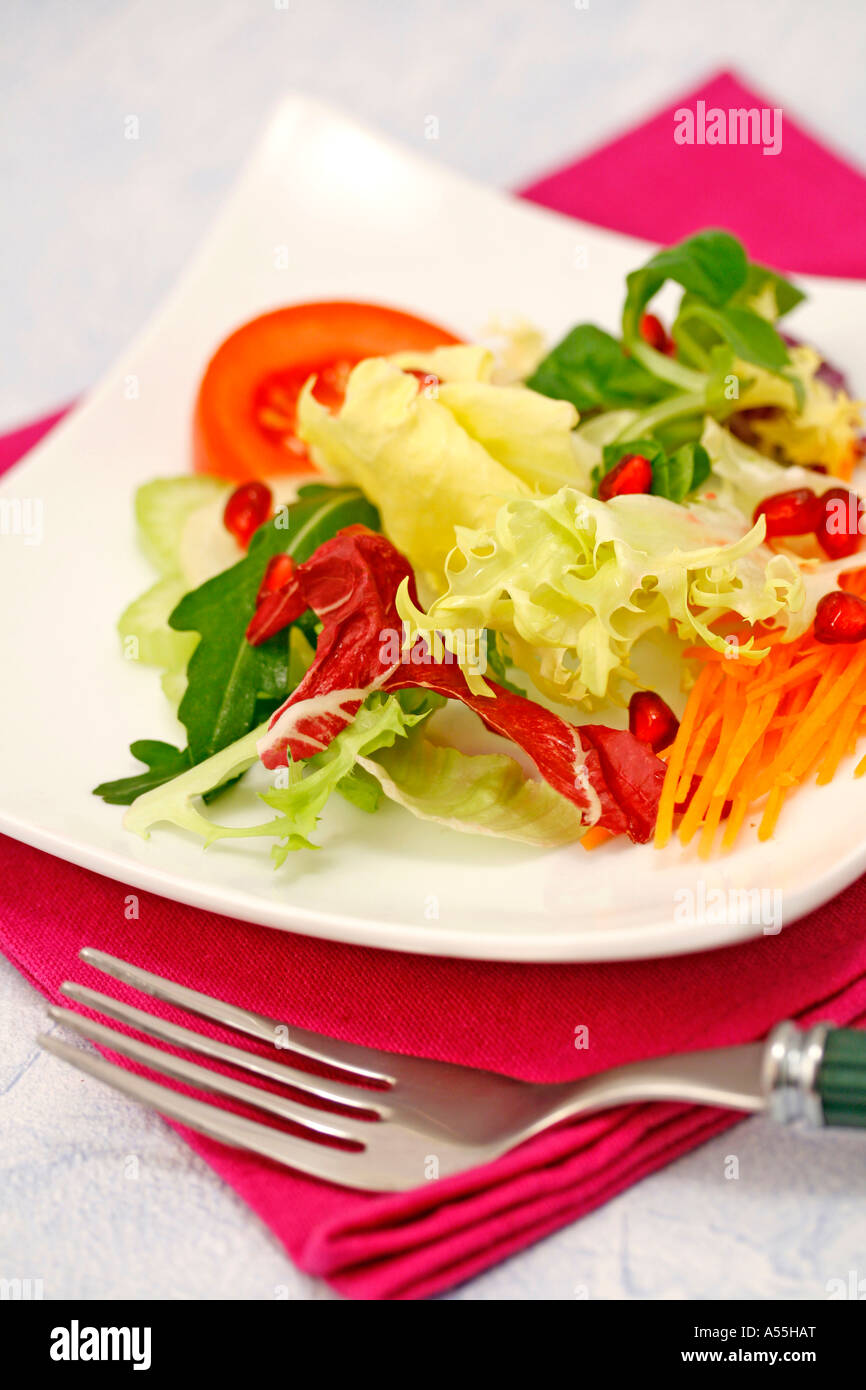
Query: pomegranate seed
x=651, y=720
x=278, y=573
x=428, y=382
x=838, y=527
x=653, y=332
x=246, y=509
x=791, y=513
x=840, y=617
x=632, y=474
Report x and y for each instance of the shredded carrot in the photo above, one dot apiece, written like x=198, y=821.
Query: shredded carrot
x=755, y=730
x=596, y=835
x=706, y=682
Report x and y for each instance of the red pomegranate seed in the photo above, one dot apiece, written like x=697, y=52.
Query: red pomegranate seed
x=840, y=617
x=632, y=474
x=791, y=513
x=278, y=573
x=246, y=509
x=652, y=720
x=653, y=332
x=427, y=381
x=838, y=526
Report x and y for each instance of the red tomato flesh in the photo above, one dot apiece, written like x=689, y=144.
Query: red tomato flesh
x=245, y=412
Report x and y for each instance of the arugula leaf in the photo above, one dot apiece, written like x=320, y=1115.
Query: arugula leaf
x=590, y=369
x=232, y=687
x=226, y=676
x=163, y=762
x=674, y=475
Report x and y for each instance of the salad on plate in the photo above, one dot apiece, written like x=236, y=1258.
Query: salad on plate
x=611, y=591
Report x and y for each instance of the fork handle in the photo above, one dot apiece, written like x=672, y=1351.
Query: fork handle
x=842, y=1078
x=819, y=1075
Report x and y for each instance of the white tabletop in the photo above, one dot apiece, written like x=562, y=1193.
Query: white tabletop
x=100, y=226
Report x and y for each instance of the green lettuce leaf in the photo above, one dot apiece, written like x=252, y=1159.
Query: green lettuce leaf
x=483, y=794
x=162, y=509
x=745, y=476
x=444, y=456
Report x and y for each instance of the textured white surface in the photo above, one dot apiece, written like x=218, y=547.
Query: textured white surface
x=101, y=226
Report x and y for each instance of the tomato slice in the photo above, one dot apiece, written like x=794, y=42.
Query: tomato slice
x=244, y=422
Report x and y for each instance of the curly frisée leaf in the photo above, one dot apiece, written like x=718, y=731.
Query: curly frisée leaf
x=174, y=802
x=377, y=724
x=572, y=583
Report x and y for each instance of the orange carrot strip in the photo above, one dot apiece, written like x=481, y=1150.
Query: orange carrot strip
x=706, y=681
x=771, y=814
x=693, y=756
x=711, y=825
x=793, y=676
x=596, y=835
x=838, y=745
x=701, y=799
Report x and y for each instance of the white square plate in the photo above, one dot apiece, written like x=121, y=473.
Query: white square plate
x=361, y=219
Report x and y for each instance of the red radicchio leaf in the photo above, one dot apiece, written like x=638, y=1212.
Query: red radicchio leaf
x=351, y=584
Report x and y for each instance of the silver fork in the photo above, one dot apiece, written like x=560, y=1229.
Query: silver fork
x=401, y=1120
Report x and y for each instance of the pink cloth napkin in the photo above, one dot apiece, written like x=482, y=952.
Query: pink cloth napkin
x=802, y=209
x=517, y=1019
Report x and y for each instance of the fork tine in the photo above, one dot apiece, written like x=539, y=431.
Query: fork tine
x=362, y=1061
x=323, y=1088
x=208, y=1080
x=333, y=1165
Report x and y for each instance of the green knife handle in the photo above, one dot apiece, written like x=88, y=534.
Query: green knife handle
x=841, y=1081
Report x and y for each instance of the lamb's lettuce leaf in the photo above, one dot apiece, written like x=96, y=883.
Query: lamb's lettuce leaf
x=591, y=369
